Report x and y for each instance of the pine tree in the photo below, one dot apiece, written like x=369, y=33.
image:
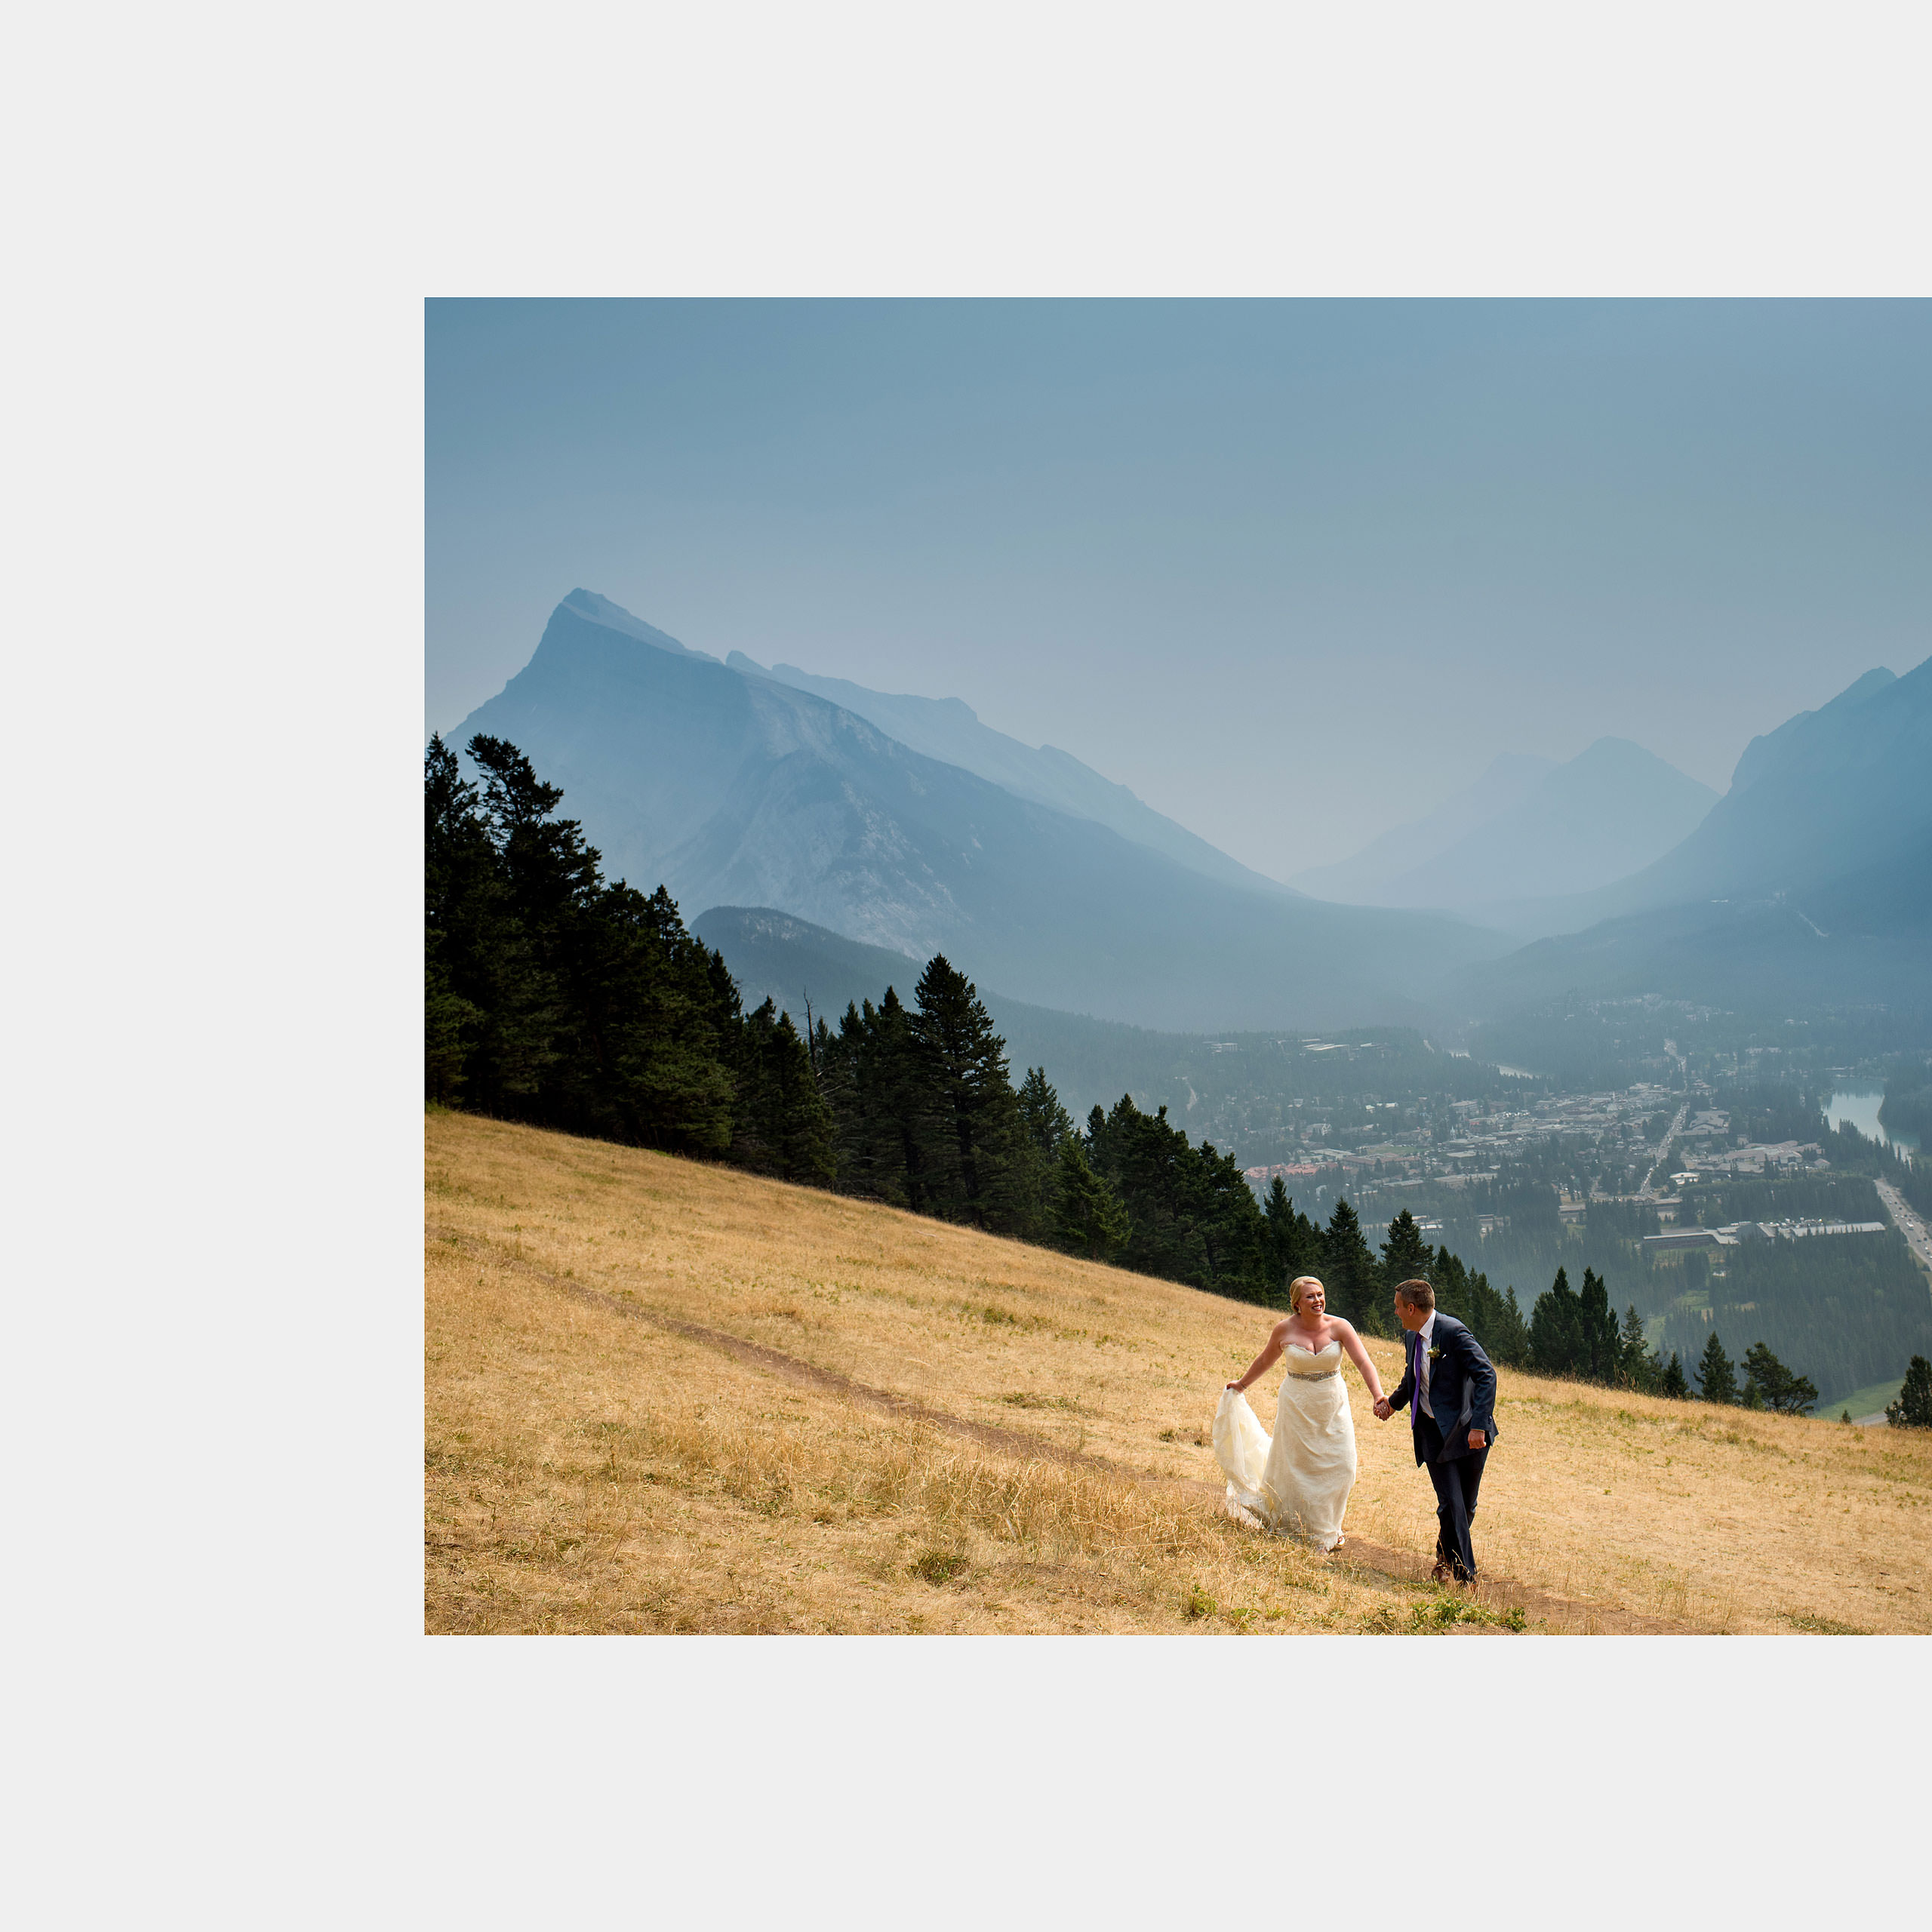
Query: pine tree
x=1717, y=1379
x=1599, y=1350
x=1671, y=1382
x=1233, y=1234
x=1087, y=1217
x=1912, y=1409
x=1278, y=1219
x=1455, y=1288
x=1349, y=1273
x=1045, y=1122
x=1193, y=1216
x=1636, y=1367
x=866, y=1073
x=549, y=868
x=975, y=1145
x=1291, y=1242
x=1557, y=1342
x=1493, y=1319
x=650, y=1044
x=784, y=1126
x=1504, y=1334
x=451, y=1023
x=899, y=1126
x=838, y=1086
x=1044, y=1126
x=1768, y=1384
x=550, y=877
x=1147, y=1160
x=1405, y=1256
x=489, y=1005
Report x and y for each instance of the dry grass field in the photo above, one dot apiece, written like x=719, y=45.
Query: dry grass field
x=661, y=1396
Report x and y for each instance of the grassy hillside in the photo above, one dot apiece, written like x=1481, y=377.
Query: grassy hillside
x=662, y=1396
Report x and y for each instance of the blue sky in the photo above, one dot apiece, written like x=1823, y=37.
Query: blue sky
x=1292, y=570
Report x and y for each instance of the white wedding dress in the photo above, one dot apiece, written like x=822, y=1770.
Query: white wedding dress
x=1298, y=1483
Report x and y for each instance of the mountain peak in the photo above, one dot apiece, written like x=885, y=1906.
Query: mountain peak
x=1874, y=680
x=1603, y=748
x=600, y=610
x=1507, y=779
x=1763, y=751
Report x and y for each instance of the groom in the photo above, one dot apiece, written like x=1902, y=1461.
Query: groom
x=1450, y=1386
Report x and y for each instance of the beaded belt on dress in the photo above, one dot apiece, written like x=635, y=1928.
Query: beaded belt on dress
x=1323, y=1375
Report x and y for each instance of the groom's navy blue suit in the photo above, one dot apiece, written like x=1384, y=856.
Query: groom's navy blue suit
x=1462, y=1390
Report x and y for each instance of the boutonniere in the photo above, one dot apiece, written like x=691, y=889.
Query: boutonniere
x=1435, y=1355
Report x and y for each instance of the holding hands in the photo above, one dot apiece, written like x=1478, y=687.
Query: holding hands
x=1384, y=1409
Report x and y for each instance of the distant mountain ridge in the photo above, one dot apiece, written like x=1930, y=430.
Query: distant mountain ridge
x=1612, y=808
x=734, y=789
x=949, y=730
x=1361, y=880
x=1809, y=882
x=1831, y=791
x=1536, y=835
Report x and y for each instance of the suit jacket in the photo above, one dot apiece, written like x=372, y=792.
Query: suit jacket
x=1462, y=1389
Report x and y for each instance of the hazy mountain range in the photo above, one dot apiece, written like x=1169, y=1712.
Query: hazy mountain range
x=1526, y=831
x=905, y=824
x=732, y=788
x=948, y=729
x=1397, y=855
x=1809, y=882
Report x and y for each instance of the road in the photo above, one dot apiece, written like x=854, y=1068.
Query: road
x=1908, y=1220
x=1664, y=1153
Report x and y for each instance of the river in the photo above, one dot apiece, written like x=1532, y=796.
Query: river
x=1858, y=1106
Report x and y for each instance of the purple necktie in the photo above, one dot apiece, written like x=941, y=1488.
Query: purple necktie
x=1415, y=1401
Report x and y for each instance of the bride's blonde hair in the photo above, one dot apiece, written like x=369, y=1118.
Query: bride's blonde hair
x=1295, y=1288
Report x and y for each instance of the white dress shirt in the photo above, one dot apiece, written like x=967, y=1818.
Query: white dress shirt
x=1422, y=1335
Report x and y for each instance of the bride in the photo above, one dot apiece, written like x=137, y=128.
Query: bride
x=1298, y=1483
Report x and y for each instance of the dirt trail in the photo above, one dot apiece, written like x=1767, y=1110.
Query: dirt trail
x=1497, y=1592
